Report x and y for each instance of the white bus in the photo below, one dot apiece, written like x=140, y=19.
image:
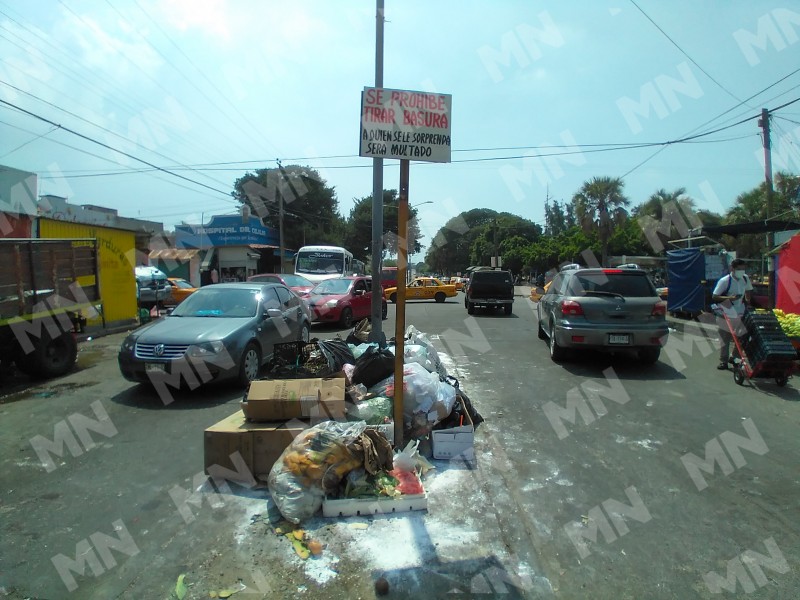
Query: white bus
x=317, y=263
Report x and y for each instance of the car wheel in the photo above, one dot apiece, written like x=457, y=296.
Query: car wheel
x=305, y=333
x=250, y=364
x=346, y=320
x=649, y=356
x=393, y=298
x=540, y=331
x=557, y=353
x=738, y=373
x=384, y=311
x=439, y=297
x=50, y=357
x=507, y=308
x=470, y=308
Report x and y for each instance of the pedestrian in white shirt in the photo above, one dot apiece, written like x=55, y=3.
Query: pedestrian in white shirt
x=730, y=295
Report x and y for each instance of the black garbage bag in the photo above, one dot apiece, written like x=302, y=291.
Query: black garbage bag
x=374, y=365
x=454, y=418
x=337, y=352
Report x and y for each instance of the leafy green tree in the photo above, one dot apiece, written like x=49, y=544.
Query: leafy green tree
x=558, y=217
x=599, y=207
x=311, y=210
x=666, y=216
x=474, y=237
x=358, y=236
x=751, y=206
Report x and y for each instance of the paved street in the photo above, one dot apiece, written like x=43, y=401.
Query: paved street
x=597, y=478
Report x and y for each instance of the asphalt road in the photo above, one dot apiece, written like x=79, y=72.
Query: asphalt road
x=619, y=498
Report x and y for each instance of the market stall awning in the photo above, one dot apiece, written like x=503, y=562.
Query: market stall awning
x=736, y=229
x=173, y=254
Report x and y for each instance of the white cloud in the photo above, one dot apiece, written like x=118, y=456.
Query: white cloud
x=114, y=48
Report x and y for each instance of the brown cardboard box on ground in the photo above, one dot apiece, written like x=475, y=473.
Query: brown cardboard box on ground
x=284, y=399
x=259, y=445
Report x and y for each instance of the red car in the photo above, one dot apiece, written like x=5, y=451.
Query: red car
x=298, y=284
x=343, y=300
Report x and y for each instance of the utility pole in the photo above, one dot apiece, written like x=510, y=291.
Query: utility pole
x=280, y=213
x=376, y=334
x=494, y=239
x=764, y=124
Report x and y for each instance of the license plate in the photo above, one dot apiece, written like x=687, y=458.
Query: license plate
x=154, y=367
x=619, y=338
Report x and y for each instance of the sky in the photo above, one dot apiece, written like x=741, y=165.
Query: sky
x=545, y=96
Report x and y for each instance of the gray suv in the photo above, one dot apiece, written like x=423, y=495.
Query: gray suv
x=151, y=287
x=605, y=309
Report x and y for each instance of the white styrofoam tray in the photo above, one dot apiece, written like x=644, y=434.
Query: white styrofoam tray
x=350, y=507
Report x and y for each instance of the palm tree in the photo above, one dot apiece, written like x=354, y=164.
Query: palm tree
x=651, y=217
x=599, y=206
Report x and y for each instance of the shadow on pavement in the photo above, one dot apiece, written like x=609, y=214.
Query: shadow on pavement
x=169, y=398
x=438, y=580
x=625, y=364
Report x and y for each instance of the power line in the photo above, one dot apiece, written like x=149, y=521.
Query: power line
x=682, y=51
x=46, y=133
x=99, y=143
x=247, y=132
x=145, y=74
x=114, y=133
x=72, y=74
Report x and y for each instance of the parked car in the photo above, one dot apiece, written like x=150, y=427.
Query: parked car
x=181, y=289
x=151, y=287
x=221, y=331
x=606, y=309
x=342, y=300
x=297, y=283
x=424, y=288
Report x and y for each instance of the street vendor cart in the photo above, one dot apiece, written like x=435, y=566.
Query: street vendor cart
x=762, y=349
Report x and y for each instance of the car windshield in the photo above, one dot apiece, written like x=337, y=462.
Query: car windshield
x=630, y=285
x=182, y=283
x=296, y=281
x=320, y=263
x=219, y=302
x=331, y=286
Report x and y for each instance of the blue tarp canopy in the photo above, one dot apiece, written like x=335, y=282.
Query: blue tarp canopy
x=686, y=269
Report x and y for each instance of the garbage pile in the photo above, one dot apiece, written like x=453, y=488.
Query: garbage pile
x=320, y=427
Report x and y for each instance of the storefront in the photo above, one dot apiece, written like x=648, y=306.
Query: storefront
x=230, y=248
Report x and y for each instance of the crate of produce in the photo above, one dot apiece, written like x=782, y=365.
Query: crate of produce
x=759, y=350
x=297, y=360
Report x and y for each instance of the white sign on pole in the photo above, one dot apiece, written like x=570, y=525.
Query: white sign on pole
x=405, y=124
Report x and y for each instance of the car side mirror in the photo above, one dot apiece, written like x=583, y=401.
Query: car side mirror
x=540, y=290
x=358, y=293
x=273, y=313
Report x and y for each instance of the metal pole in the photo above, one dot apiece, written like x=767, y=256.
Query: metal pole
x=376, y=334
x=400, y=312
x=764, y=124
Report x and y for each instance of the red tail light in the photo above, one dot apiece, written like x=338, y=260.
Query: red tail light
x=571, y=308
x=659, y=309
x=612, y=270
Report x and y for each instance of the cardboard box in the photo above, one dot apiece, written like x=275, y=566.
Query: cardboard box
x=456, y=442
x=258, y=444
x=284, y=399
